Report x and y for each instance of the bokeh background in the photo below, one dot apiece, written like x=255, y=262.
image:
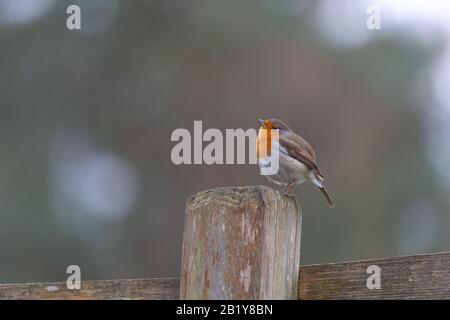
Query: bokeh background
x=86, y=117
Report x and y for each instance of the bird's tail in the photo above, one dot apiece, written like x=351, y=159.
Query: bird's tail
x=327, y=196
x=317, y=179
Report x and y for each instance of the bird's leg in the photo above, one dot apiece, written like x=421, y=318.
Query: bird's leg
x=289, y=188
x=283, y=189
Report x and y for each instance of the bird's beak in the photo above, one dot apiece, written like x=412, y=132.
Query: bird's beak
x=262, y=123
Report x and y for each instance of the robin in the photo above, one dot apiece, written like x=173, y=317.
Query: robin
x=297, y=159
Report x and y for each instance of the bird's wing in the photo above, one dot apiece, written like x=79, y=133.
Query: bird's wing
x=302, y=143
x=299, y=149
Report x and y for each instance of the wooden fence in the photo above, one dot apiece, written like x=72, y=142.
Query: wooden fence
x=244, y=243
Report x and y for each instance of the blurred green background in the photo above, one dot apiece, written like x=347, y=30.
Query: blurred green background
x=86, y=116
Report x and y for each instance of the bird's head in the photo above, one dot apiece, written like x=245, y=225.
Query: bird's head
x=274, y=124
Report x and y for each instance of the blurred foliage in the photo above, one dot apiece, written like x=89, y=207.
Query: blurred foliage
x=154, y=66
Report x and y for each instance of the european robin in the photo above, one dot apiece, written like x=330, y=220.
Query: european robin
x=297, y=159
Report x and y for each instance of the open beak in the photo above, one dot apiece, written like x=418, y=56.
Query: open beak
x=262, y=123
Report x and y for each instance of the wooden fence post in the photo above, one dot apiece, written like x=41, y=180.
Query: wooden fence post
x=241, y=243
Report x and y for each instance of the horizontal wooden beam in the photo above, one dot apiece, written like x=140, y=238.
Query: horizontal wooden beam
x=409, y=277
x=133, y=289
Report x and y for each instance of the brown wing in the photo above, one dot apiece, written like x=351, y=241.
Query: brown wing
x=303, y=144
x=299, y=149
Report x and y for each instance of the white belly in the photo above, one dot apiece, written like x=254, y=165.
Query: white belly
x=290, y=170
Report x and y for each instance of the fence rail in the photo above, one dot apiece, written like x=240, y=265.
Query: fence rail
x=424, y=276
x=408, y=277
x=244, y=243
x=134, y=289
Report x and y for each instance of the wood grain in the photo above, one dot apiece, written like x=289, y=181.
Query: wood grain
x=409, y=277
x=135, y=289
x=241, y=243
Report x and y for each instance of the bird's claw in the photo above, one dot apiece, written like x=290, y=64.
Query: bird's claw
x=290, y=195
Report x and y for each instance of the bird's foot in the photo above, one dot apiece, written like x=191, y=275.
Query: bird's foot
x=286, y=191
x=287, y=194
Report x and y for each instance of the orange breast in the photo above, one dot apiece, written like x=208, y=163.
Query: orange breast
x=264, y=142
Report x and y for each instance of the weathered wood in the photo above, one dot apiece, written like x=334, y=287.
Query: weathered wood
x=409, y=277
x=241, y=243
x=136, y=289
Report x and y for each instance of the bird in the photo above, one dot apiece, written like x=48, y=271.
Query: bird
x=297, y=159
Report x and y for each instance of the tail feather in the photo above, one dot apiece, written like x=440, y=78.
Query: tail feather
x=317, y=178
x=327, y=196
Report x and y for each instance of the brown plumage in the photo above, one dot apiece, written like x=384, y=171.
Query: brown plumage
x=297, y=159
